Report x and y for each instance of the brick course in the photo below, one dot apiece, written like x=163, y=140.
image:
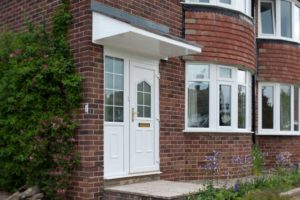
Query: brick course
x=228, y=40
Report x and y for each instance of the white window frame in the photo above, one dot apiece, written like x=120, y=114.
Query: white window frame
x=214, y=112
x=276, y=116
x=233, y=6
x=273, y=18
x=277, y=21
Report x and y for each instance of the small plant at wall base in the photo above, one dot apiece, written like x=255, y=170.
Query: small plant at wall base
x=39, y=89
x=257, y=160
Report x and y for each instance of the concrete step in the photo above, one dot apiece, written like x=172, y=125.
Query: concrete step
x=154, y=190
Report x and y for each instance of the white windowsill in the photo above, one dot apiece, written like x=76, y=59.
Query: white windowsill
x=217, y=6
x=277, y=38
x=132, y=175
x=279, y=133
x=216, y=131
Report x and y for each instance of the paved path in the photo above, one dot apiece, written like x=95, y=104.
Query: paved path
x=158, y=189
x=3, y=195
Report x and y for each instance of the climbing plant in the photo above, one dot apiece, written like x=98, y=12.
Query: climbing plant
x=39, y=90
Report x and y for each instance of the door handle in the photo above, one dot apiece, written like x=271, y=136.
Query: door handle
x=133, y=114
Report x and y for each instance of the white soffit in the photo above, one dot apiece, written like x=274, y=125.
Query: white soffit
x=110, y=32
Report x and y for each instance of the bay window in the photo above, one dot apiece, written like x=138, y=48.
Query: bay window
x=279, y=19
x=243, y=6
x=278, y=109
x=218, y=98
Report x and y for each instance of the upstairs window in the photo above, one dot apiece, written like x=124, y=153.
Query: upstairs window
x=243, y=6
x=267, y=17
x=279, y=19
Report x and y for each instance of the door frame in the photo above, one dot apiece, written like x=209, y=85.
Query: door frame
x=152, y=63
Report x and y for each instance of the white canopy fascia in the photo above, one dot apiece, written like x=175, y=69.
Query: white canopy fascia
x=110, y=32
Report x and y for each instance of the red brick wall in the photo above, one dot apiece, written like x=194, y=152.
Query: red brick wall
x=234, y=158
x=227, y=39
x=278, y=62
x=168, y=13
x=272, y=146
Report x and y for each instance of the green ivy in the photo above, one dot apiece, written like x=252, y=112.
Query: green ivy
x=39, y=89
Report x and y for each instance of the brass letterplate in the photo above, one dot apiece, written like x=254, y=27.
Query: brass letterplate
x=144, y=125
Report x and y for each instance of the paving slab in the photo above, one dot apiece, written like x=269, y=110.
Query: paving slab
x=4, y=195
x=158, y=189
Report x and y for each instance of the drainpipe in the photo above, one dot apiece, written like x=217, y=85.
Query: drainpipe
x=254, y=78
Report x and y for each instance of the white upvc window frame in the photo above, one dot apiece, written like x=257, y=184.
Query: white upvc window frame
x=276, y=110
x=233, y=6
x=273, y=18
x=277, y=21
x=214, y=112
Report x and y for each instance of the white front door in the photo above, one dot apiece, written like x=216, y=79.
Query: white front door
x=131, y=127
x=144, y=119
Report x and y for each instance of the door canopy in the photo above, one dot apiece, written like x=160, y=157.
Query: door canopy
x=114, y=33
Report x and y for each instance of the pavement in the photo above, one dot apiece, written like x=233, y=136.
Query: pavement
x=3, y=195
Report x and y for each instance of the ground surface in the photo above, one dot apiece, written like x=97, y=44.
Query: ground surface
x=3, y=195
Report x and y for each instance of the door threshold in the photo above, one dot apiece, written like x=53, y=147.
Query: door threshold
x=133, y=175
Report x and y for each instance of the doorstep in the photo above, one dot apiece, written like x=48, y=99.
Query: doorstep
x=153, y=190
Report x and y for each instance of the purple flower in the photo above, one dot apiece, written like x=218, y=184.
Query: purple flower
x=236, y=187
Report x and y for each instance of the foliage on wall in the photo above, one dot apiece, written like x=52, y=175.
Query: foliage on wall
x=39, y=89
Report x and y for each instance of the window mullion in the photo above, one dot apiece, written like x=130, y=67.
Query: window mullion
x=213, y=97
x=278, y=18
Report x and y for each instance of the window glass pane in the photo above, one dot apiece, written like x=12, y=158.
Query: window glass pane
x=267, y=107
x=109, y=113
x=226, y=1
x=140, y=110
x=109, y=64
x=147, y=87
x=119, y=98
x=147, y=99
x=147, y=111
x=109, y=97
x=266, y=13
x=109, y=81
x=119, y=82
x=241, y=106
x=118, y=66
x=296, y=27
x=241, y=76
x=198, y=104
x=140, y=97
x=285, y=108
x=225, y=105
x=144, y=99
x=296, y=108
x=114, y=89
x=118, y=114
x=198, y=72
x=286, y=18
x=225, y=73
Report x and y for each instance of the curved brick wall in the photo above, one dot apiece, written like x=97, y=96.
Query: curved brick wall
x=278, y=61
x=228, y=37
x=234, y=159
x=271, y=146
